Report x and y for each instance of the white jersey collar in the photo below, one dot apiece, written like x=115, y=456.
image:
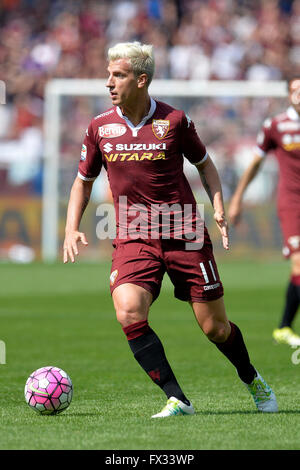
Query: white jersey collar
x=133, y=128
x=292, y=114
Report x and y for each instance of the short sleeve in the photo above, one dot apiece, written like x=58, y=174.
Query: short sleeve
x=91, y=158
x=265, y=141
x=191, y=145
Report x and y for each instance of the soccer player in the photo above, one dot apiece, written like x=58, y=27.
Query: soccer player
x=281, y=136
x=141, y=143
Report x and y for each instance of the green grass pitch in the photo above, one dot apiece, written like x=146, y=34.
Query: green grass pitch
x=62, y=315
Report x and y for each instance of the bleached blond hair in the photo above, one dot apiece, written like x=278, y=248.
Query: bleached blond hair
x=139, y=55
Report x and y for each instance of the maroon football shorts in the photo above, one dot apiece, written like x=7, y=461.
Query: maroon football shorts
x=290, y=226
x=194, y=274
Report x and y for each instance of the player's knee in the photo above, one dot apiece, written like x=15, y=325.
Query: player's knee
x=131, y=304
x=130, y=310
x=217, y=332
x=127, y=316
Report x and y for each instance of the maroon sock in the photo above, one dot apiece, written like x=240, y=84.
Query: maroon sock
x=235, y=350
x=149, y=353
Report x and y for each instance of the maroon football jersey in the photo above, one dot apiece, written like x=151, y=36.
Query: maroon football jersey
x=281, y=135
x=144, y=163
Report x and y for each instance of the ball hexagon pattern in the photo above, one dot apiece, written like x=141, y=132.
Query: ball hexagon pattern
x=48, y=390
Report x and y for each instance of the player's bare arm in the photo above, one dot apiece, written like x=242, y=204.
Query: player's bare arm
x=212, y=185
x=235, y=207
x=79, y=199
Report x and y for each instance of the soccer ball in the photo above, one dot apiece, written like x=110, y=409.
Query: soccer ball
x=48, y=390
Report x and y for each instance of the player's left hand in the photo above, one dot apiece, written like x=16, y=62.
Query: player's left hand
x=223, y=227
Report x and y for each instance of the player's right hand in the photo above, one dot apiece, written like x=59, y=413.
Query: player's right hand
x=234, y=212
x=70, y=245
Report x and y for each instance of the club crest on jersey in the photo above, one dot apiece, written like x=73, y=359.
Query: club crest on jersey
x=160, y=128
x=109, y=131
x=113, y=277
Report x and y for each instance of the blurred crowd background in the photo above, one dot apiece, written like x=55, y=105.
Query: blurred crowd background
x=193, y=39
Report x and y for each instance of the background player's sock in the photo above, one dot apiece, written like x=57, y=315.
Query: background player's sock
x=292, y=300
x=235, y=350
x=149, y=353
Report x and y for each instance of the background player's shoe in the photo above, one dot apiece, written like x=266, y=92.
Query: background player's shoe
x=175, y=407
x=263, y=395
x=286, y=336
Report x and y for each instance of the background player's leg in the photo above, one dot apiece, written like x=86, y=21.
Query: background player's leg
x=211, y=317
x=293, y=293
x=291, y=304
x=132, y=304
x=284, y=333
